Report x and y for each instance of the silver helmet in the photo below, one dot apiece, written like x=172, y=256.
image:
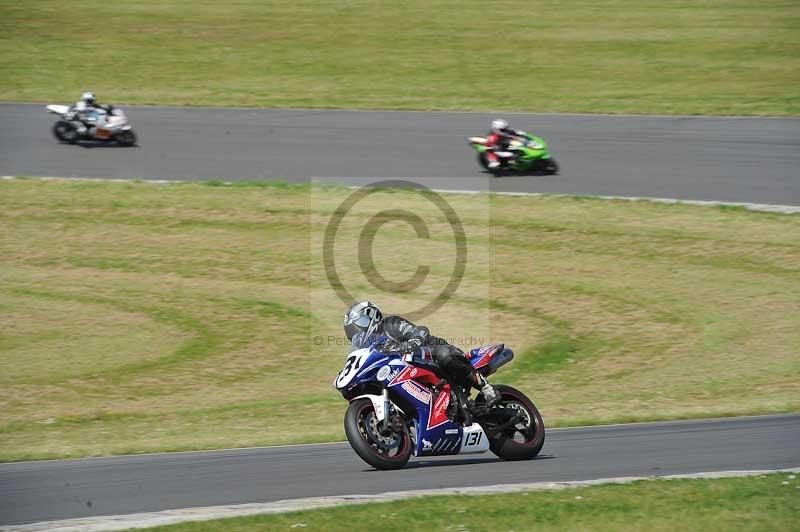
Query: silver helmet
x=88, y=97
x=363, y=317
x=498, y=125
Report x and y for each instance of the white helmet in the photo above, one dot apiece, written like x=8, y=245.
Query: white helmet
x=88, y=97
x=499, y=124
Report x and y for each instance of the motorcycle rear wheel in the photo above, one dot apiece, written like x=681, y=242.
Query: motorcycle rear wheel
x=524, y=440
x=65, y=132
x=382, y=451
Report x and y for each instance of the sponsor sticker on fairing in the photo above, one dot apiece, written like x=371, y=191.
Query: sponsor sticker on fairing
x=441, y=404
x=384, y=372
x=438, y=413
x=486, y=349
x=416, y=391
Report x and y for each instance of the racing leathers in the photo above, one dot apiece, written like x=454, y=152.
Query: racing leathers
x=451, y=360
x=82, y=113
x=499, y=140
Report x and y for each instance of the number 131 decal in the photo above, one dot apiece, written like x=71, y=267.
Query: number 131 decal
x=474, y=438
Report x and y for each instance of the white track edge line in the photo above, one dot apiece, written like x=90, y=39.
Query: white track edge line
x=760, y=207
x=167, y=517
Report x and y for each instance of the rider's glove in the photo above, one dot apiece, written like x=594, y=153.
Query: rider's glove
x=410, y=351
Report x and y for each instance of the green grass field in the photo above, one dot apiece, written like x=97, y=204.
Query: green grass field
x=769, y=503
x=138, y=317
x=613, y=56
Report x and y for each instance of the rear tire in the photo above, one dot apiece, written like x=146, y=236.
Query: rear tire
x=379, y=451
x=65, y=132
x=126, y=138
x=524, y=440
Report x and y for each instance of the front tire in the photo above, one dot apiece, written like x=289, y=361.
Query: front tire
x=524, y=440
x=550, y=166
x=126, y=138
x=390, y=450
x=65, y=132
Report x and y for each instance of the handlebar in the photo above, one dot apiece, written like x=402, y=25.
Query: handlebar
x=390, y=346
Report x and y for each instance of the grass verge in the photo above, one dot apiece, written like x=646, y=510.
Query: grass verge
x=628, y=56
x=138, y=317
x=755, y=503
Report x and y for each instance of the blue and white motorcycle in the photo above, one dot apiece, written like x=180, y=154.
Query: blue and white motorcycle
x=400, y=405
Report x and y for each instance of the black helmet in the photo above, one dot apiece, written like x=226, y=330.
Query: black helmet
x=362, y=317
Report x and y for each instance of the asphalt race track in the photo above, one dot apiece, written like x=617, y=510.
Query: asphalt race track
x=49, y=490
x=753, y=160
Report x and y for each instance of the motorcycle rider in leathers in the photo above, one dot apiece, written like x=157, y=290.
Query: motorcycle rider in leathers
x=364, y=323
x=499, y=137
x=81, y=109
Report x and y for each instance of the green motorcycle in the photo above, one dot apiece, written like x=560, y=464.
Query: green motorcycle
x=525, y=153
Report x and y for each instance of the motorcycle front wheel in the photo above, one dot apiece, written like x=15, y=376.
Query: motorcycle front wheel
x=550, y=166
x=524, y=439
x=126, y=138
x=65, y=132
x=381, y=448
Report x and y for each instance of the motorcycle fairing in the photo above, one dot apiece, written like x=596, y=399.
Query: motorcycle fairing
x=474, y=440
x=522, y=152
x=436, y=434
x=58, y=109
x=481, y=356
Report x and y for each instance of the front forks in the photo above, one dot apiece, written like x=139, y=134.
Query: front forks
x=386, y=408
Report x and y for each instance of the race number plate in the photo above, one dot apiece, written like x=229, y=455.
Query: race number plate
x=474, y=439
x=351, y=366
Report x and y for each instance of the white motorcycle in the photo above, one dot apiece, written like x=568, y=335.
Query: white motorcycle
x=97, y=124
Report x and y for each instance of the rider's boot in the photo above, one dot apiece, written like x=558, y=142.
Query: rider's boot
x=492, y=160
x=489, y=392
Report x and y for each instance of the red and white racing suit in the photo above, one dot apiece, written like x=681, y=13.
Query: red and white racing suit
x=498, y=139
